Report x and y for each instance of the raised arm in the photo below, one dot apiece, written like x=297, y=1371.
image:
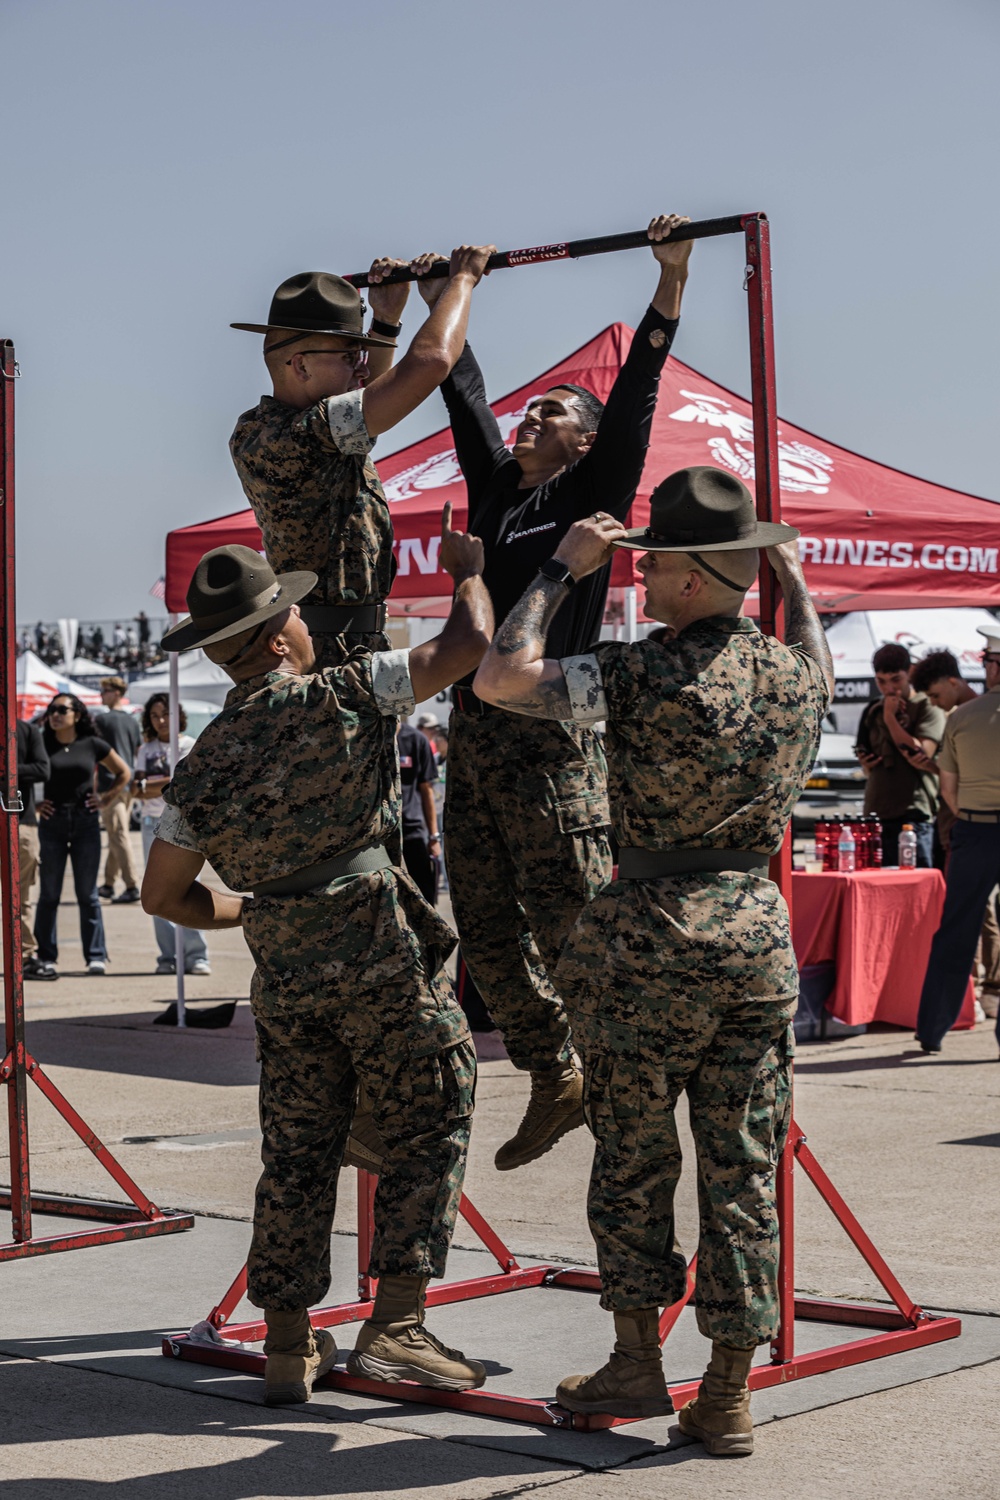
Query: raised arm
x=613, y=466
x=435, y=347
x=459, y=648
x=802, y=624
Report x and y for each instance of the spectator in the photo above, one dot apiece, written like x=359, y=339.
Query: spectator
x=970, y=784
x=121, y=730
x=119, y=635
x=436, y=736
x=32, y=766
x=152, y=773
x=142, y=620
x=71, y=825
x=891, y=732
x=41, y=639
x=939, y=677
x=421, y=843
x=97, y=640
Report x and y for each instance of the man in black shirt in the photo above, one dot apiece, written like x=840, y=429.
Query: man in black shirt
x=32, y=767
x=417, y=775
x=527, y=828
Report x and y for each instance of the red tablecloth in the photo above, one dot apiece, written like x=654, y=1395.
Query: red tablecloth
x=876, y=926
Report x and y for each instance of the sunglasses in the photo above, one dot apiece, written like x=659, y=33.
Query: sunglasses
x=354, y=357
x=61, y=709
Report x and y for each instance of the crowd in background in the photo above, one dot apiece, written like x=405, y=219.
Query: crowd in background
x=128, y=646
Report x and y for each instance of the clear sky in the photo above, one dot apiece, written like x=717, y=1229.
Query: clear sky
x=166, y=163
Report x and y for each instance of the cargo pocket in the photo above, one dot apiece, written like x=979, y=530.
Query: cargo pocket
x=587, y=813
x=440, y=1079
x=612, y=1087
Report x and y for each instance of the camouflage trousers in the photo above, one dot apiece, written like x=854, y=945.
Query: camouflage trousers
x=408, y=1045
x=526, y=847
x=733, y=1062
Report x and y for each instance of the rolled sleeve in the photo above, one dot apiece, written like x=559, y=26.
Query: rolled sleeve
x=173, y=828
x=585, y=687
x=392, y=683
x=346, y=417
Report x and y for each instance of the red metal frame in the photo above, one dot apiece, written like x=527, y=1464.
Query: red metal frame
x=906, y=1326
x=140, y=1217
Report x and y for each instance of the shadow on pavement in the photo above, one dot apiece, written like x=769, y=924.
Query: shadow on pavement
x=132, y=1044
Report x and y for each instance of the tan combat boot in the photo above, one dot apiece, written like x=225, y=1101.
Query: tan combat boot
x=555, y=1108
x=632, y=1383
x=297, y=1355
x=395, y=1345
x=719, y=1416
x=365, y=1147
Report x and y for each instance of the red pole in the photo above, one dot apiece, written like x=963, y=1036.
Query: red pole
x=765, y=443
x=13, y=1069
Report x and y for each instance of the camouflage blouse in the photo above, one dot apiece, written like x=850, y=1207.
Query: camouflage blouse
x=294, y=770
x=316, y=495
x=710, y=737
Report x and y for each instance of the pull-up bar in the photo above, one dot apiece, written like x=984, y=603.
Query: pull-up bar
x=602, y=244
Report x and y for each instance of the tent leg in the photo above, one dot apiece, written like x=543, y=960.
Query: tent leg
x=175, y=735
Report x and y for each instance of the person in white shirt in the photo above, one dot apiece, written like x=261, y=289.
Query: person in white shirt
x=152, y=773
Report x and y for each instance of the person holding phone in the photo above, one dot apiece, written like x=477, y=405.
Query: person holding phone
x=69, y=826
x=895, y=731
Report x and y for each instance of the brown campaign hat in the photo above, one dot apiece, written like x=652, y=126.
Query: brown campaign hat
x=233, y=588
x=703, y=510
x=317, y=302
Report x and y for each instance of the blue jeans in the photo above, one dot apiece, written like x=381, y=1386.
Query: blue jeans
x=194, y=941
x=973, y=871
x=893, y=827
x=74, y=832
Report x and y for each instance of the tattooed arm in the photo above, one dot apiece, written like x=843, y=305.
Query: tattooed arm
x=802, y=625
x=515, y=672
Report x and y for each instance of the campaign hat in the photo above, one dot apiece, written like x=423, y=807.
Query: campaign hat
x=318, y=302
x=232, y=589
x=703, y=509
x=992, y=639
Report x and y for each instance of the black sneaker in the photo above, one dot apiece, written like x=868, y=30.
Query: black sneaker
x=127, y=897
x=37, y=968
x=105, y=892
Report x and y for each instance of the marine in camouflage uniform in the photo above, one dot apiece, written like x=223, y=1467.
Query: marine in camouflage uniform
x=317, y=498
x=293, y=793
x=680, y=976
x=348, y=981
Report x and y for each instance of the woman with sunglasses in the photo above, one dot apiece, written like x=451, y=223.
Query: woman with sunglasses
x=69, y=824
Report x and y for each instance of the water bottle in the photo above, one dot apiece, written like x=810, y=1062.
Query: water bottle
x=907, y=848
x=860, y=835
x=821, y=833
x=846, y=850
x=876, y=842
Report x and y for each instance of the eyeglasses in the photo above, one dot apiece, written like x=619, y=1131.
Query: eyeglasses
x=354, y=357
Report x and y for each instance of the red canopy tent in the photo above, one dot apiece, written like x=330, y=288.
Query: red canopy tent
x=872, y=537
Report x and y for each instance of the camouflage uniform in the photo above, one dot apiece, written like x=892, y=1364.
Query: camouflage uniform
x=319, y=504
x=526, y=846
x=347, y=986
x=689, y=982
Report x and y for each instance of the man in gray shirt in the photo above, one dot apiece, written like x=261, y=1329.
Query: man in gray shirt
x=121, y=730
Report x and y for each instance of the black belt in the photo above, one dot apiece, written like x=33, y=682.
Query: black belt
x=357, y=862
x=654, y=864
x=978, y=817
x=465, y=700
x=344, y=619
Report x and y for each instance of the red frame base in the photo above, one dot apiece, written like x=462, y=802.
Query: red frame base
x=906, y=1326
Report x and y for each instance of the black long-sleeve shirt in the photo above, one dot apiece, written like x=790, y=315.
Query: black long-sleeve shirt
x=521, y=528
x=32, y=766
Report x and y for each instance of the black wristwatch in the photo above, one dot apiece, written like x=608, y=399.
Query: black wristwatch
x=558, y=572
x=385, y=330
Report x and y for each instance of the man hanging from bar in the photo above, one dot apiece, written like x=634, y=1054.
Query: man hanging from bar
x=681, y=976
x=526, y=832
x=291, y=793
x=302, y=454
